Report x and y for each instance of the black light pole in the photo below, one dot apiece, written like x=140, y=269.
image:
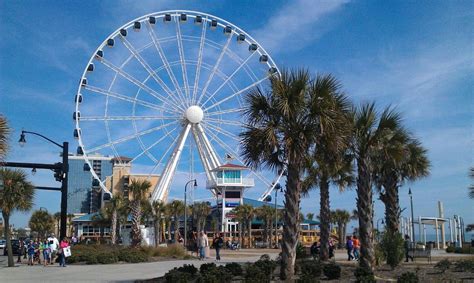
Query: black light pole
x=412, y=215
x=61, y=175
x=185, y=209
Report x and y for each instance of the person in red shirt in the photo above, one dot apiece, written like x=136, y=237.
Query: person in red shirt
x=63, y=244
x=356, y=244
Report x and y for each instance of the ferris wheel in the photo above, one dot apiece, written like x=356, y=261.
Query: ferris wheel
x=164, y=81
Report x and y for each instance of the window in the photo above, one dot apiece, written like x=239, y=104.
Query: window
x=232, y=176
x=232, y=194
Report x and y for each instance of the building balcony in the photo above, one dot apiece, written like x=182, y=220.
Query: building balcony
x=230, y=182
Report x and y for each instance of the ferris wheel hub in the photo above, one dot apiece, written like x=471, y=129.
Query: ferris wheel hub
x=194, y=114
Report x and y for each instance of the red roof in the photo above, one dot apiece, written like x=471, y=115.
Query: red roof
x=230, y=166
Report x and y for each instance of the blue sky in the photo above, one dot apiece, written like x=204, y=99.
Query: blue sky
x=415, y=55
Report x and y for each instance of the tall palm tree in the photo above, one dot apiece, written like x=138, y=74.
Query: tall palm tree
x=280, y=131
x=17, y=194
x=331, y=162
x=42, y=223
x=267, y=214
x=200, y=211
x=139, y=190
x=177, y=209
x=116, y=203
x=369, y=131
x=4, y=133
x=245, y=213
x=471, y=188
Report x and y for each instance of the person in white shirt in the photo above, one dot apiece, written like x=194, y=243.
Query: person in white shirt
x=53, y=245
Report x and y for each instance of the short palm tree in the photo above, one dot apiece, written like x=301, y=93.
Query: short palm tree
x=4, y=132
x=116, y=203
x=177, y=209
x=280, y=131
x=57, y=219
x=245, y=213
x=368, y=132
x=267, y=214
x=157, y=208
x=341, y=217
x=42, y=223
x=200, y=211
x=17, y=194
x=139, y=191
x=310, y=216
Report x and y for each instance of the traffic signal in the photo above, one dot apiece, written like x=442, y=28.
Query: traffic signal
x=58, y=172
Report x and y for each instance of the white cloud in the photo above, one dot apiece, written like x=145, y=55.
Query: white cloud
x=296, y=24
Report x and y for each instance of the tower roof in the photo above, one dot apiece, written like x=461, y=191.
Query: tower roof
x=230, y=166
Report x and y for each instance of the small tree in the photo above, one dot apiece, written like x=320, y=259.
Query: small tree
x=139, y=190
x=17, y=194
x=42, y=223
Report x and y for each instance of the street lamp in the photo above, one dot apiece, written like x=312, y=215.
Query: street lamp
x=280, y=188
x=62, y=176
x=378, y=224
x=412, y=215
x=185, y=209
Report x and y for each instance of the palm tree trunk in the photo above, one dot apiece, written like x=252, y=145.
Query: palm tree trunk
x=325, y=214
x=250, y=233
x=169, y=230
x=364, y=209
x=270, y=235
x=176, y=228
x=156, y=227
x=241, y=232
x=136, y=233
x=113, y=232
x=291, y=220
x=6, y=218
x=391, y=202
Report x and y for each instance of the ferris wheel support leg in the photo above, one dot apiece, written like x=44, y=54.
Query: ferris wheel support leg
x=161, y=190
x=208, y=146
x=203, y=155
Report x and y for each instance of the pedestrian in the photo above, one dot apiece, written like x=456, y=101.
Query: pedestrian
x=356, y=244
x=37, y=256
x=20, y=251
x=46, y=252
x=218, y=243
x=202, y=242
x=207, y=250
x=62, y=245
x=31, y=253
x=331, y=248
x=53, y=246
x=406, y=246
x=349, y=248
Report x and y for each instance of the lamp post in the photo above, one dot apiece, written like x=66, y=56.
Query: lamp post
x=277, y=187
x=378, y=224
x=185, y=209
x=412, y=215
x=61, y=175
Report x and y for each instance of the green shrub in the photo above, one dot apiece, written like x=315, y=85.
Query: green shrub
x=207, y=266
x=175, y=276
x=392, y=247
x=90, y=258
x=253, y=274
x=443, y=265
x=300, y=251
x=311, y=268
x=364, y=275
x=234, y=268
x=132, y=255
x=458, y=250
x=465, y=265
x=408, y=277
x=450, y=249
x=266, y=265
x=106, y=257
x=210, y=273
x=332, y=271
x=188, y=268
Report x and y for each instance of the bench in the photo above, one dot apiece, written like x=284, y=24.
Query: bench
x=261, y=245
x=420, y=253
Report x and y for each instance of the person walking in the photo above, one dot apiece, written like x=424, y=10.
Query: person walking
x=46, y=252
x=207, y=250
x=356, y=244
x=406, y=246
x=218, y=243
x=20, y=251
x=62, y=258
x=53, y=246
x=31, y=253
x=203, y=242
x=349, y=248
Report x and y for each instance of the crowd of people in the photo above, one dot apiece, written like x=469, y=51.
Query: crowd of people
x=44, y=251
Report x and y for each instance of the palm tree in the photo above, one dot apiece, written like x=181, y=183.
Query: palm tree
x=245, y=213
x=341, y=217
x=177, y=209
x=139, y=190
x=102, y=219
x=17, y=194
x=200, y=211
x=115, y=204
x=368, y=133
x=267, y=214
x=57, y=218
x=279, y=134
x=4, y=132
x=310, y=216
x=157, y=208
x=42, y=223
x=471, y=188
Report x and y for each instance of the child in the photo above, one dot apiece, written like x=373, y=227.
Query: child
x=31, y=253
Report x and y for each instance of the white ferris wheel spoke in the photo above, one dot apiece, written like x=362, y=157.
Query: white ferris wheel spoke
x=147, y=67
x=165, y=154
x=161, y=53
x=229, y=77
x=227, y=111
x=128, y=99
x=236, y=156
x=216, y=66
x=126, y=118
x=198, y=67
x=222, y=131
x=183, y=60
x=223, y=121
x=237, y=93
x=152, y=146
x=129, y=137
x=136, y=82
